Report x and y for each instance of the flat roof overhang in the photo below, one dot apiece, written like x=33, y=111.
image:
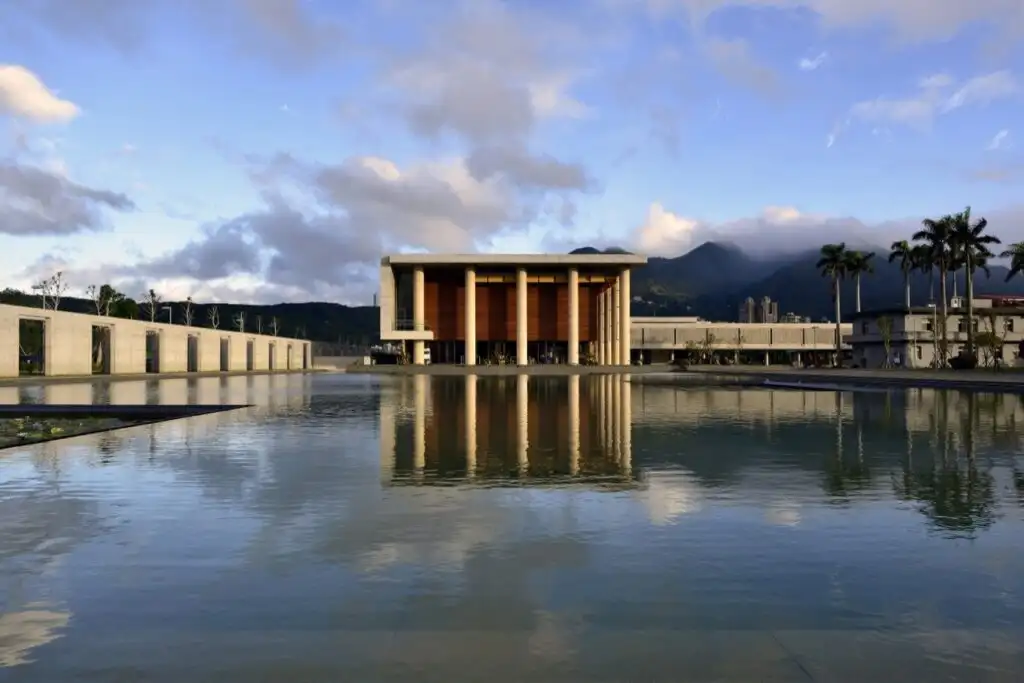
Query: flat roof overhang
x=594, y=260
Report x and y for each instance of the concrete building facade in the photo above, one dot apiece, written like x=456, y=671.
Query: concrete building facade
x=659, y=339
x=75, y=344
x=522, y=309
x=911, y=339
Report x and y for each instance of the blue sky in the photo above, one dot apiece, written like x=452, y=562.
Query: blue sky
x=271, y=150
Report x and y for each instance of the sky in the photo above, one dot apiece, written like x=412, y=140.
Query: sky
x=274, y=150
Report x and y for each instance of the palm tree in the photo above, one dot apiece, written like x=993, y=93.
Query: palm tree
x=858, y=263
x=934, y=239
x=1015, y=252
x=904, y=253
x=970, y=243
x=832, y=264
x=921, y=255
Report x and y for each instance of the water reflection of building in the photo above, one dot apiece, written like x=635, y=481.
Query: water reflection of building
x=508, y=429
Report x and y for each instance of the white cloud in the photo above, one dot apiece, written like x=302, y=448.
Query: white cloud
x=23, y=95
x=983, y=90
x=665, y=233
x=935, y=96
x=1000, y=140
x=776, y=229
x=806, y=64
x=910, y=20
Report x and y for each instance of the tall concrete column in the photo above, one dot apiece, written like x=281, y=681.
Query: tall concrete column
x=522, y=358
x=625, y=344
x=616, y=321
x=609, y=328
x=419, y=433
x=523, y=421
x=574, y=424
x=471, y=425
x=599, y=302
x=470, y=352
x=574, y=316
x=418, y=323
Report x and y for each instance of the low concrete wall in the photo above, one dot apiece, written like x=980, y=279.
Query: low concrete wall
x=335, y=362
x=68, y=349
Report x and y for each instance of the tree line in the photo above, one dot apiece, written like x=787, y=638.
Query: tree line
x=105, y=300
x=941, y=249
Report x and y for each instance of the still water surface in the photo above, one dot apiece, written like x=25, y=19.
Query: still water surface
x=512, y=529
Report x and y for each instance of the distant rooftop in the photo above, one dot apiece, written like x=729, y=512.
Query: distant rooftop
x=603, y=259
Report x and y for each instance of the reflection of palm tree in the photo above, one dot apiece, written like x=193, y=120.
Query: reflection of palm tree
x=958, y=500
x=843, y=477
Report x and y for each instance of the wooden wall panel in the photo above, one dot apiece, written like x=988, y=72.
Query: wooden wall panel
x=533, y=292
x=483, y=312
x=511, y=315
x=491, y=320
x=547, y=313
x=430, y=304
x=560, y=312
x=586, y=308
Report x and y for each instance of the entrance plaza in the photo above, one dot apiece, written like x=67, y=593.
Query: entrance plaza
x=517, y=309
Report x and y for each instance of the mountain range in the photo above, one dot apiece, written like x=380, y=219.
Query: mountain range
x=712, y=280
x=709, y=281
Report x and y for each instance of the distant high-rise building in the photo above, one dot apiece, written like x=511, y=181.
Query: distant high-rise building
x=764, y=311
x=748, y=311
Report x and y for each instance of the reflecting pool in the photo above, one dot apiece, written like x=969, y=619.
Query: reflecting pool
x=360, y=528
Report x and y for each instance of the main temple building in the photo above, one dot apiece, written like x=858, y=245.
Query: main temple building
x=517, y=309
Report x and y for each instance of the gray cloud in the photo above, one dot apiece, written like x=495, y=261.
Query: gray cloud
x=285, y=31
x=34, y=201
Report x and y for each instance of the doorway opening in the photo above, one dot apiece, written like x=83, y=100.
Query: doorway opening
x=152, y=352
x=225, y=354
x=249, y=353
x=305, y=356
x=100, y=350
x=192, y=354
x=31, y=347
x=271, y=360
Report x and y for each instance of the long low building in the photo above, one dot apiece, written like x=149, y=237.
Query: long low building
x=50, y=343
x=572, y=308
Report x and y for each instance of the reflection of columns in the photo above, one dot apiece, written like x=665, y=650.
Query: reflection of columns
x=626, y=459
x=417, y=314
x=523, y=420
x=606, y=405
x=521, y=319
x=419, y=434
x=616, y=417
x=387, y=437
x=574, y=316
x=574, y=424
x=624, y=321
x=470, y=350
x=602, y=357
x=470, y=425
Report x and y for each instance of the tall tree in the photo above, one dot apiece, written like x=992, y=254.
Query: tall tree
x=970, y=244
x=858, y=263
x=902, y=252
x=934, y=237
x=1014, y=252
x=832, y=264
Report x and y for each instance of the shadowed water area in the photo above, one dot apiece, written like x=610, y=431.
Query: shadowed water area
x=359, y=528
